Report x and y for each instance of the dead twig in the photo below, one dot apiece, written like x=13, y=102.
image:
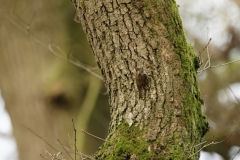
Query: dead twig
x=49, y=47
x=75, y=138
x=208, y=61
x=94, y=136
x=64, y=149
x=57, y=156
x=213, y=143
x=39, y=137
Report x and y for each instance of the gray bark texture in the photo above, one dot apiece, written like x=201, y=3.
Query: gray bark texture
x=125, y=36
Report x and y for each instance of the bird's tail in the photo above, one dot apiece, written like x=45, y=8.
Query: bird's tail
x=140, y=94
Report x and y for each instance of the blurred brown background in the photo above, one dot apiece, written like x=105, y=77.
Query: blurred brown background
x=43, y=93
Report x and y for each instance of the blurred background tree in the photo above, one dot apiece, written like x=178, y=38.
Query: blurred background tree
x=43, y=92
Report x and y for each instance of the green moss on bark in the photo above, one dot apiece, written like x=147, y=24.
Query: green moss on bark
x=193, y=116
x=196, y=120
x=126, y=143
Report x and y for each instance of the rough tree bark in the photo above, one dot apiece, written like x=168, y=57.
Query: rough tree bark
x=128, y=35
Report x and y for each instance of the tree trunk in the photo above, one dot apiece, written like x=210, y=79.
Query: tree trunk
x=125, y=35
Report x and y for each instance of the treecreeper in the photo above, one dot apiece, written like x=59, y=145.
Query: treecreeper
x=142, y=82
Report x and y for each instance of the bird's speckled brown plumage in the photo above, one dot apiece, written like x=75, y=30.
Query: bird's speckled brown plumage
x=141, y=80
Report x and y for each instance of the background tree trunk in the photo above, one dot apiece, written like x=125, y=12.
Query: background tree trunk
x=128, y=35
x=43, y=93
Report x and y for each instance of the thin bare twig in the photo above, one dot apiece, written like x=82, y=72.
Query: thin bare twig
x=89, y=134
x=200, y=53
x=43, y=156
x=213, y=143
x=191, y=148
x=81, y=65
x=57, y=156
x=208, y=61
x=39, y=137
x=49, y=47
x=83, y=156
x=94, y=136
x=224, y=64
x=75, y=138
x=64, y=148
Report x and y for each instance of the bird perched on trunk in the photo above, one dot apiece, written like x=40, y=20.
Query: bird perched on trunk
x=142, y=81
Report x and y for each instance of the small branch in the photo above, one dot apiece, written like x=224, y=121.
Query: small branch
x=57, y=156
x=81, y=65
x=83, y=156
x=43, y=156
x=208, y=61
x=89, y=134
x=94, y=136
x=39, y=137
x=200, y=53
x=48, y=47
x=64, y=148
x=224, y=64
x=213, y=143
x=75, y=138
x=200, y=71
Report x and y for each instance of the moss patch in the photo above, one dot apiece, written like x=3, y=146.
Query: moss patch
x=127, y=143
